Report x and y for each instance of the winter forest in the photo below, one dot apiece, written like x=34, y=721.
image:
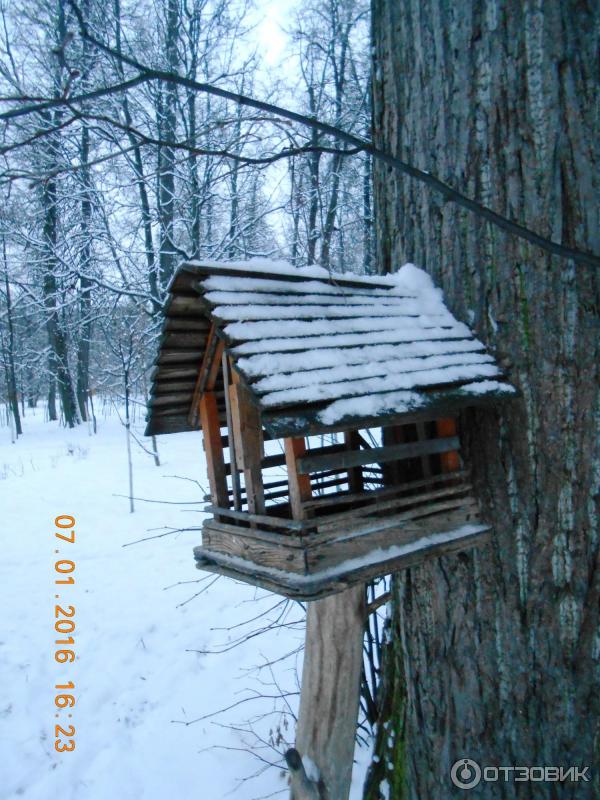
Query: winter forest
x=336, y=138
x=106, y=195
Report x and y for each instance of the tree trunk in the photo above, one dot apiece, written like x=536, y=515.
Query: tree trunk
x=501, y=646
x=85, y=302
x=331, y=688
x=167, y=125
x=57, y=336
x=52, y=413
x=9, y=354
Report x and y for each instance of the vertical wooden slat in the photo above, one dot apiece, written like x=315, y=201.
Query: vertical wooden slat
x=447, y=427
x=392, y=473
x=425, y=460
x=215, y=462
x=299, y=485
x=209, y=369
x=355, y=475
x=247, y=434
x=235, y=475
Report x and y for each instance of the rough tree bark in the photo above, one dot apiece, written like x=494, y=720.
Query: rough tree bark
x=501, y=647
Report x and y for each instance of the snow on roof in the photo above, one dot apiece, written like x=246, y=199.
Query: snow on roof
x=319, y=349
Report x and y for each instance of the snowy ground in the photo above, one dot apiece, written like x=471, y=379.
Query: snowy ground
x=142, y=668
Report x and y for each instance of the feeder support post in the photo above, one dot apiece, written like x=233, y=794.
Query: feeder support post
x=330, y=695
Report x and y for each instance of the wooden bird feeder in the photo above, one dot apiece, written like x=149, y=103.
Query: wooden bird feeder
x=328, y=407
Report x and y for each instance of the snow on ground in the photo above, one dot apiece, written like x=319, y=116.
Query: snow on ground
x=137, y=674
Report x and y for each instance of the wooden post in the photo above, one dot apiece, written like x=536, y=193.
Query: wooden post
x=330, y=694
x=450, y=461
x=304, y=787
x=352, y=441
x=329, y=700
x=299, y=485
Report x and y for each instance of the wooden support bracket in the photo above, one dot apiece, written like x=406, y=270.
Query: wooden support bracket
x=299, y=484
x=209, y=369
x=247, y=435
x=211, y=429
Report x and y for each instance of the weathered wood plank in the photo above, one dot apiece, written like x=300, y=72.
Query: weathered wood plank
x=173, y=373
x=172, y=410
x=376, y=455
x=338, y=550
x=356, y=513
x=171, y=424
x=391, y=491
x=185, y=305
x=169, y=399
x=314, y=586
x=211, y=428
x=261, y=519
x=353, y=441
x=167, y=387
x=290, y=539
x=300, y=489
x=333, y=663
x=339, y=531
x=246, y=431
x=236, y=489
x=183, y=340
x=186, y=324
x=450, y=461
x=179, y=356
x=209, y=369
x=278, y=555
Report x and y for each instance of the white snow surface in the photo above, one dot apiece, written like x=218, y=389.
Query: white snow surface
x=276, y=267
x=277, y=363
x=391, y=381
x=371, y=405
x=403, y=335
x=311, y=769
x=137, y=673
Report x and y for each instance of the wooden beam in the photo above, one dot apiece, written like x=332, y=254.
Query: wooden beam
x=261, y=519
x=300, y=490
x=215, y=463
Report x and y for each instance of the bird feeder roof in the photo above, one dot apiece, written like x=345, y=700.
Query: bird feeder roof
x=319, y=351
